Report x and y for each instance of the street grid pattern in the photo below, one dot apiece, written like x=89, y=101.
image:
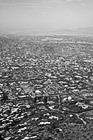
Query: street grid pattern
x=44, y=93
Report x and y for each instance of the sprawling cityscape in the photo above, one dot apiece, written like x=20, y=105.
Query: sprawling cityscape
x=46, y=69
x=46, y=87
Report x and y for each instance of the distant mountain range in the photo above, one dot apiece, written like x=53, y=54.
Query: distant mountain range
x=79, y=31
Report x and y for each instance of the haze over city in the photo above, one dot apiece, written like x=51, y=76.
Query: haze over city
x=45, y=15
x=46, y=69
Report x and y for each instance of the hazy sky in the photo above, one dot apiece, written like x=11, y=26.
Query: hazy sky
x=45, y=14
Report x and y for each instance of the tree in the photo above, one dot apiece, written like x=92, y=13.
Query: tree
x=1, y=137
x=4, y=95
